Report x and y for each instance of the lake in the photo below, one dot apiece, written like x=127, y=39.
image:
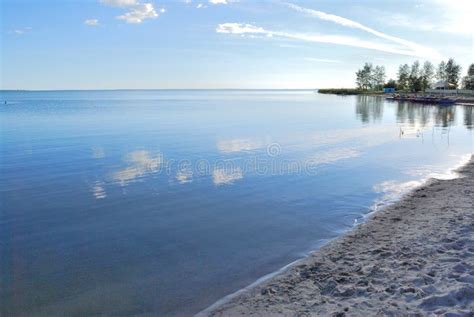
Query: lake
x=161, y=202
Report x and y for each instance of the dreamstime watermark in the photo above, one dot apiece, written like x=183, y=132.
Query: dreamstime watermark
x=274, y=150
x=262, y=163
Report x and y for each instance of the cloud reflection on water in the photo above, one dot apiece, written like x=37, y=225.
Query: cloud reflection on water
x=142, y=163
x=238, y=145
x=317, y=148
x=334, y=155
x=98, y=190
x=98, y=152
x=184, y=176
x=222, y=176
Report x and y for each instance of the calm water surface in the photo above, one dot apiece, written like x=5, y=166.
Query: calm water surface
x=162, y=202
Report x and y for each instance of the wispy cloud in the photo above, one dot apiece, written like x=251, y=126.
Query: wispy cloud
x=119, y=3
x=453, y=17
x=17, y=32
x=456, y=16
x=401, y=20
x=416, y=49
x=222, y=1
x=239, y=28
x=322, y=60
x=91, y=22
x=20, y=31
x=138, y=12
x=242, y=29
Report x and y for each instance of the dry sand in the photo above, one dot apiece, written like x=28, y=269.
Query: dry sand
x=415, y=257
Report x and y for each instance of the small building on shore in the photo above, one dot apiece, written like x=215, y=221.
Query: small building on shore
x=443, y=84
x=389, y=90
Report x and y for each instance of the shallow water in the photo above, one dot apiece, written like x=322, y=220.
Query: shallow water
x=162, y=202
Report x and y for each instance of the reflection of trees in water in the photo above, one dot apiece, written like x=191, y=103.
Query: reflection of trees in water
x=413, y=113
x=469, y=117
x=419, y=114
x=445, y=116
x=369, y=108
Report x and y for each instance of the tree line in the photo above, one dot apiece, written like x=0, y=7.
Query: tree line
x=415, y=77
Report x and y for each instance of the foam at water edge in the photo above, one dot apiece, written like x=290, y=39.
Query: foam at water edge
x=393, y=191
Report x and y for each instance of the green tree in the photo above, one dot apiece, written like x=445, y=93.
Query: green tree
x=415, y=78
x=453, y=72
x=378, y=77
x=468, y=81
x=427, y=75
x=391, y=83
x=364, y=77
x=403, y=74
x=470, y=70
x=441, y=71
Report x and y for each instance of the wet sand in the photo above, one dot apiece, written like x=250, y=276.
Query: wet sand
x=415, y=257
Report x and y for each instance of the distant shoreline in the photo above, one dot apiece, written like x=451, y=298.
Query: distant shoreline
x=348, y=91
x=414, y=257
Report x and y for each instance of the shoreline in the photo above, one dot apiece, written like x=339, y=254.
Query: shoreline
x=348, y=92
x=413, y=256
x=459, y=100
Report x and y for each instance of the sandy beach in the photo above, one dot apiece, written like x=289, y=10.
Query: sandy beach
x=415, y=257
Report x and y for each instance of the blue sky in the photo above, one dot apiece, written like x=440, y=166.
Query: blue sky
x=118, y=44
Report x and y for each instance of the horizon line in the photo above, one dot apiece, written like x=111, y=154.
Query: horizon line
x=141, y=89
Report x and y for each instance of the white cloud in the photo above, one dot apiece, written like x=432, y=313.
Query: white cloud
x=119, y=3
x=91, y=22
x=201, y=6
x=139, y=13
x=240, y=28
x=416, y=49
x=218, y=2
x=322, y=60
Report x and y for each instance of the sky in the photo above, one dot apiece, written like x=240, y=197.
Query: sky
x=217, y=44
